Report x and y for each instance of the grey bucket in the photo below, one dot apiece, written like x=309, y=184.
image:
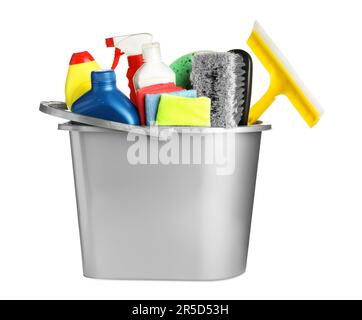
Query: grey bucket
x=162, y=221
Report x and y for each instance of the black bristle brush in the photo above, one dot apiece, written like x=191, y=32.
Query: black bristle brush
x=247, y=83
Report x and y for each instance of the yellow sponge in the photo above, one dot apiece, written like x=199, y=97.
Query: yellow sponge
x=183, y=111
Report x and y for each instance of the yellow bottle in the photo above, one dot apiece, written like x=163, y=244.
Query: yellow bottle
x=79, y=76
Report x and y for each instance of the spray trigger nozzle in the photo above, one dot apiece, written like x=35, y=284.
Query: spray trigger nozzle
x=117, y=54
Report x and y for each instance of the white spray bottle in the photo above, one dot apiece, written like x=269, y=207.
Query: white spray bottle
x=154, y=70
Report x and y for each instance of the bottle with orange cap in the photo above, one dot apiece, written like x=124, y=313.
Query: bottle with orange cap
x=78, y=80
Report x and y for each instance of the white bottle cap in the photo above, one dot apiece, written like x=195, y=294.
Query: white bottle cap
x=151, y=52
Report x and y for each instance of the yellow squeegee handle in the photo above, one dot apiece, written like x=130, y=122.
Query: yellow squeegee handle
x=266, y=100
x=292, y=92
x=264, y=55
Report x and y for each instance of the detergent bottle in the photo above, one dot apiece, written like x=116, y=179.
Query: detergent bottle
x=153, y=71
x=79, y=76
x=105, y=101
x=131, y=45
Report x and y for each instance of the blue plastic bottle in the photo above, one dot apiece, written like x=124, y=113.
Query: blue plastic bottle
x=105, y=101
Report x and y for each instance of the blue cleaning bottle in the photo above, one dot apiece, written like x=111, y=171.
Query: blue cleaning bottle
x=106, y=101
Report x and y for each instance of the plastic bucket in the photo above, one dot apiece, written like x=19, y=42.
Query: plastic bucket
x=165, y=220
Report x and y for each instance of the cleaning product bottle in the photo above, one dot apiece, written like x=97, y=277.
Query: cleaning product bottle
x=131, y=45
x=79, y=76
x=153, y=71
x=153, y=77
x=105, y=101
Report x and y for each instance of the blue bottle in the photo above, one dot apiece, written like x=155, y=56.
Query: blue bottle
x=105, y=101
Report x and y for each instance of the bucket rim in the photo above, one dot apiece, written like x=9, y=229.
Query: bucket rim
x=85, y=123
x=161, y=130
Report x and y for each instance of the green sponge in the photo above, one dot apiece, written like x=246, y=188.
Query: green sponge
x=182, y=67
x=183, y=111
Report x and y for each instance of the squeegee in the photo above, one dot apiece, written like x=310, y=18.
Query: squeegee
x=283, y=80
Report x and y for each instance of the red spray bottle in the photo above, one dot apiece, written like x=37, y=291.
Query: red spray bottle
x=131, y=45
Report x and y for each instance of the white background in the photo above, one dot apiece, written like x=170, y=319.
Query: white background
x=307, y=225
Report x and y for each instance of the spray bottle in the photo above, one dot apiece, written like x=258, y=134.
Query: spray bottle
x=131, y=45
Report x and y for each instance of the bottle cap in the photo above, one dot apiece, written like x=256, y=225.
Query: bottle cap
x=151, y=52
x=81, y=57
x=103, y=76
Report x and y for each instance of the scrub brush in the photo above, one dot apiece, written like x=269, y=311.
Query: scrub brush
x=221, y=77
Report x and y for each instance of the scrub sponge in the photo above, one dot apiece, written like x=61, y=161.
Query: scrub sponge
x=183, y=111
x=182, y=68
